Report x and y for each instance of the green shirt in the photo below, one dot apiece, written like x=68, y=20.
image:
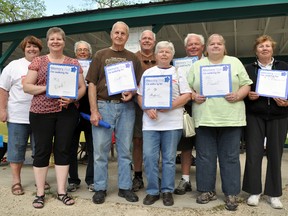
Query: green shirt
x=217, y=111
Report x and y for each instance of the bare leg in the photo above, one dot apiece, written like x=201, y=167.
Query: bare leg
x=40, y=174
x=61, y=176
x=16, y=171
x=137, y=153
x=186, y=161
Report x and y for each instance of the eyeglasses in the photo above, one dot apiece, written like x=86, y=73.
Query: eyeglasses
x=82, y=50
x=149, y=61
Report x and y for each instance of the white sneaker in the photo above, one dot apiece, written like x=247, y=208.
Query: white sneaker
x=275, y=202
x=253, y=200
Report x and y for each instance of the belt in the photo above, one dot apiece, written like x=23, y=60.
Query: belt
x=112, y=101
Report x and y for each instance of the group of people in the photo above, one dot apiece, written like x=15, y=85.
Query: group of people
x=149, y=136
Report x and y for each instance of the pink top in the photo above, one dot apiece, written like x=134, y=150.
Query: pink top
x=41, y=103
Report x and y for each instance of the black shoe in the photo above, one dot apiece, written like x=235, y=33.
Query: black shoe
x=129, y=195
x=137, y=183
x=150, y=199
x=168, y=199
x=99, y=197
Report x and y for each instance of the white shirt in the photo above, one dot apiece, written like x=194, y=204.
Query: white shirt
x=173, y=119
x=18, y=102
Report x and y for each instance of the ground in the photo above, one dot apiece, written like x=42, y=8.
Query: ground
x=22, y=205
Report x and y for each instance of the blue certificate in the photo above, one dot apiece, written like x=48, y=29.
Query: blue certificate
x=157, y=92
x=215, y=80
x=272, y=83
x=120, y=77
x=62, y=80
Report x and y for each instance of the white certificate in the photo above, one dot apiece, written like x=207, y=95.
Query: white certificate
x=272, y=83
x=184, y=64
x=85, y=64
x=62, y=80
x=157, y=92
x=215, y=80
x=120, y=77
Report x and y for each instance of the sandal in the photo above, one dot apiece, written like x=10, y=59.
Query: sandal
x=46, y=187
x=65, y=198
x=17, y=189
x=39, y=201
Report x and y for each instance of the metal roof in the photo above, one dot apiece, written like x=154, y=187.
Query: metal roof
x=239, y=21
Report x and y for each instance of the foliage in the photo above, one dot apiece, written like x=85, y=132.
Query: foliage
x=14, y=10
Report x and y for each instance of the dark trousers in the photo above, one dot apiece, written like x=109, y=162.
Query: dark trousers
x=53, y=133
x=275, y=132
x=85, y=126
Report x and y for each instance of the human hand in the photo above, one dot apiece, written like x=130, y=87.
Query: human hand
x=126, y=96
x=3, y=115
x=281, y=102
x=253, y=95
x=95, y=117
x=199, y=99
x=152, y=113
x=232, y=97
x=64, y=102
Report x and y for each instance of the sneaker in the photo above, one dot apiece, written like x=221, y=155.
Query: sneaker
x=206, y=197
x=129, y=195
x=275, y=202
x=72, y=187
x=231, y=203
x=183, y=187
x=253, y=200
x=99, y=197
x=137, y=183
x=91, y=187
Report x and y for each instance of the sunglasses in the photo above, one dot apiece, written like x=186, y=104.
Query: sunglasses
x=149, y=61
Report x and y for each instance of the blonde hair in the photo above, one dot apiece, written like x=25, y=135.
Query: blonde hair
x=221, y=39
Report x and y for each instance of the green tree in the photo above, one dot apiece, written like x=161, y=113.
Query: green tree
x=14, y=10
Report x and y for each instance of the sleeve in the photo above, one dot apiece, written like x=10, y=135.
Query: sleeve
x=6, y=78
x=190, y=77
x=183, y=83
x=242, y=74
x=35, y=64
x=92, y=75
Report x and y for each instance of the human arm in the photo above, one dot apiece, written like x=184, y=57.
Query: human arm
x=29, y=84
x=92, y=95
x=3, y=104
x=238, y=95
x=152, y=113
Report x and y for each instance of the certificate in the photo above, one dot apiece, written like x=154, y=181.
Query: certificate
x=215, y=80
x=120, y=77
x=85, y=64
x=157, y=92
x=184, y=64
x=272, y=83
x=62, y=81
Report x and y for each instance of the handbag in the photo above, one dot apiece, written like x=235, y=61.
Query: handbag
x=188, y=125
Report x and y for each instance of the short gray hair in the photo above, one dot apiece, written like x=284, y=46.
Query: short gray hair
x=141, y=35
x=82, y=42
x=165, y=44
x=202, y=40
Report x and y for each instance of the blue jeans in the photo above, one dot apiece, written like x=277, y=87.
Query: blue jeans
x=224, y=143
x=155, y=142
x=18, y=135
x=121, y=117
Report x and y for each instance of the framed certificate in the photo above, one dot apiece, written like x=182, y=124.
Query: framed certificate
x=215, y=80
x=120, y=77
x=184, y=64
x=272, y=83
x=62, y=80
x=157, y=92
